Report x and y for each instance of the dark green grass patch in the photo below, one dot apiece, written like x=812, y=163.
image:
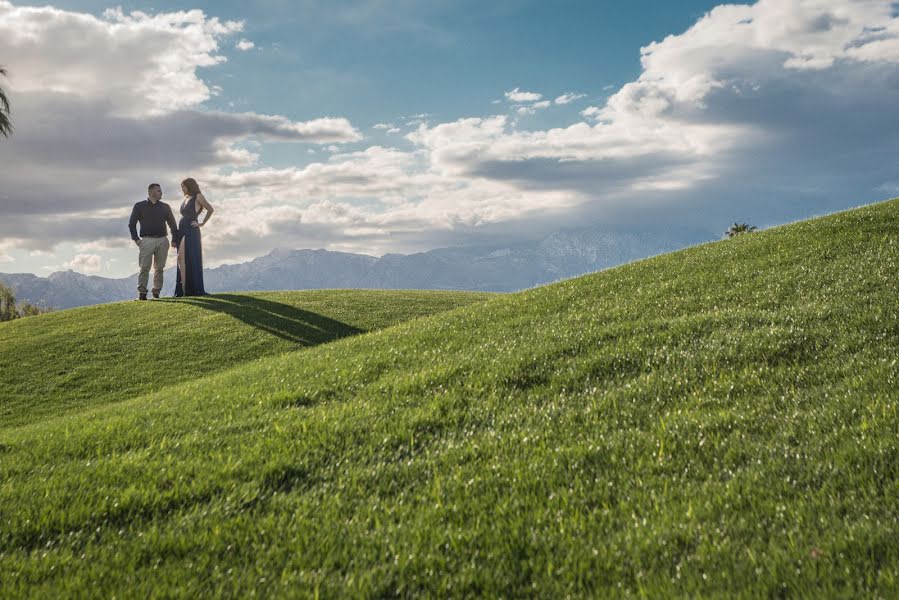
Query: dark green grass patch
x=720, y=421
x=75, y=359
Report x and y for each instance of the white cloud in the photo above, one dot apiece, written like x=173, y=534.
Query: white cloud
x=734, y=93
x=136, y=64
x=387, y=127
x=371, y=201
x=85, y=263
x=568, y=98
x=775, y=110
x=530, y=109
x=102, y=245
x=664, y=111
x=323, y=130
x=517, y=95
x=376, y=172
x=244, y=45
x=105, y=105
x=416, y=120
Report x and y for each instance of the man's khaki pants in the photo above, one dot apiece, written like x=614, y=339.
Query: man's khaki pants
x=153, y=251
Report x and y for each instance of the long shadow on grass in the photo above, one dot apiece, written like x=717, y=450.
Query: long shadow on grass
x=287, y=322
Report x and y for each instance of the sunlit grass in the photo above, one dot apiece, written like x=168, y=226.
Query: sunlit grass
x=70, y=360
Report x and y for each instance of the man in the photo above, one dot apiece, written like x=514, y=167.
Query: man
x=152, y=214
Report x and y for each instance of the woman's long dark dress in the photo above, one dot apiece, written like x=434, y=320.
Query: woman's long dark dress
x=193, y=252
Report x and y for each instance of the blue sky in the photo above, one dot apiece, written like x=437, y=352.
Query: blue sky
x=375, y=62
x=381, y=126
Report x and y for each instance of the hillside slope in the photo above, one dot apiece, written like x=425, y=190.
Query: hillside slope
x=717, y=421
x=70, y=360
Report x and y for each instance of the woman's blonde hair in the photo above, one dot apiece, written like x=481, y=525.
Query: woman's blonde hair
x=192, y=187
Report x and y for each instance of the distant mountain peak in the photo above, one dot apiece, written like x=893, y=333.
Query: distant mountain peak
x=498, y=268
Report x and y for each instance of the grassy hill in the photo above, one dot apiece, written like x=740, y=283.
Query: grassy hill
x=717, y=421
x=67, y=361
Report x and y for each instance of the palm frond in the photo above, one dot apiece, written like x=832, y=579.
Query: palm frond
x=738, y=228
x=5, y=123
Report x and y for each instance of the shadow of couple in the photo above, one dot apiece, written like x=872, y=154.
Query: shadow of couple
x=282, y=320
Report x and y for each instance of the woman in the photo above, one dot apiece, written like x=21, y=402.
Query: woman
x=190, y=250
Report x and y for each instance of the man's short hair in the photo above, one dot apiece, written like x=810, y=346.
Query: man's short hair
x=153, y=185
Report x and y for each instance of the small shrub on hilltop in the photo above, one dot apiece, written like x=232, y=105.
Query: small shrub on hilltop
x=738, y=228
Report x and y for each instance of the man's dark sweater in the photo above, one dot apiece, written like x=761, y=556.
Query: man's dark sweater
x=152, y=218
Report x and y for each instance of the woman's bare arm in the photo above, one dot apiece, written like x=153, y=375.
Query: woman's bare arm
x=204, y=203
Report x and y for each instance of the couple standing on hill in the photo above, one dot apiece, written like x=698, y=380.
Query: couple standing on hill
x=153, y=215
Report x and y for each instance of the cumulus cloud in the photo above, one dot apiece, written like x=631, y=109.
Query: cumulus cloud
x=135, y=64
x=103, y=245
x=105, y=105
x=244, y=45
x=373, y=201
x=387, y=127
x=105, y=157
x=531, y=109
x=748, y=91
x=85, y=263
x=568, y=98
x=766, y=112
x=376, y=172
x=517, y=95
x=416, y=120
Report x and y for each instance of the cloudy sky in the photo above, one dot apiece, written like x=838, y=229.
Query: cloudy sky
x=381, y=126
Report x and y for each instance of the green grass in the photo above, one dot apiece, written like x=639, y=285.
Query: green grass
x=720, y=421
x=67, y=361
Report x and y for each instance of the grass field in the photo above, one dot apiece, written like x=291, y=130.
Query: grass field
x=82, y=358
x=720, y=421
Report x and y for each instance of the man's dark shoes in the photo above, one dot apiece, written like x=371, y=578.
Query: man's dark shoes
x=156, y=294
x=141, y=296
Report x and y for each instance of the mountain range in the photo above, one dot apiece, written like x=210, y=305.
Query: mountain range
x=498, y=268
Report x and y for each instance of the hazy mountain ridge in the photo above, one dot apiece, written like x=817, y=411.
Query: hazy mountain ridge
x=498, y=268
